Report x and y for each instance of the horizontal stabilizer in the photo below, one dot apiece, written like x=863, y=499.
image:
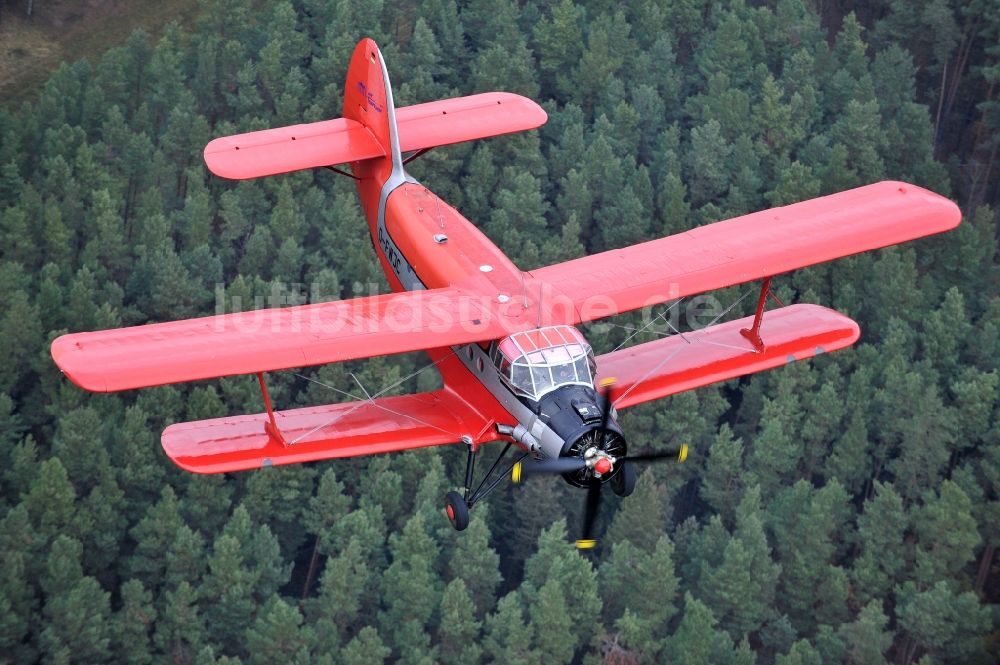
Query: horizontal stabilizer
x=678, y=363
x=332, y=142
x=267, y=340
x=458, y=119
x=382, y=425
x=285, y=149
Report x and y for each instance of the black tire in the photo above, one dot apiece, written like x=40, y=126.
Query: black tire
x=457, y=510
x=623, y=482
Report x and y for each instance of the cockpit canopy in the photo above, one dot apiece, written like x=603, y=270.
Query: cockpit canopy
x=535, y=362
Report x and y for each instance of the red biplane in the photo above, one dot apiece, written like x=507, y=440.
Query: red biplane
x=514, y=367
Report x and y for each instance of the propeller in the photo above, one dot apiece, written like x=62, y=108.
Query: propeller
x=561, y=465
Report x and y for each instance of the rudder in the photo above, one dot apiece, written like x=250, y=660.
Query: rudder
x=368, y=96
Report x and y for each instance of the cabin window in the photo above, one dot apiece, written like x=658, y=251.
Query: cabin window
x=536, y=362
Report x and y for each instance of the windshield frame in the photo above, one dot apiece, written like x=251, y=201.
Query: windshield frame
x=531, y=361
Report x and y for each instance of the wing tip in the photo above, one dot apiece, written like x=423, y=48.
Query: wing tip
x=67, y=354
x=946, y=216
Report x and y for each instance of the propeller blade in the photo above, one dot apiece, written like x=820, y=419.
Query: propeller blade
x=606, y=394
x=590, y=516
x=554, y=466
x=678, y=454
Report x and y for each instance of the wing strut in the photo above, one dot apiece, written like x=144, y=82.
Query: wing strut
x=753, y=332
x=271, y=426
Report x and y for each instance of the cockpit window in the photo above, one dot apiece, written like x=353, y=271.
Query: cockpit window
x=535, y=362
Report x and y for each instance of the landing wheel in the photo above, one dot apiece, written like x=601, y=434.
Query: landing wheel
x=623, y=482
x=457, y=510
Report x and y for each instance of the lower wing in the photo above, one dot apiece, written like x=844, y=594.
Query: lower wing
x=381, y=425
x=691, y=360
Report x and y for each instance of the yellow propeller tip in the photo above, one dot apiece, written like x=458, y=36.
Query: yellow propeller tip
x=515, y=473
x=609, y=381
x=683, y=454
x=586, y=544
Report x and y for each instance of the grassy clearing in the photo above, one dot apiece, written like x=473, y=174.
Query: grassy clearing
x=68, y=30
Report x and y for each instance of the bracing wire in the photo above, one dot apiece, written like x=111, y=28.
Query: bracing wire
x=678, y=350
x=371, y=397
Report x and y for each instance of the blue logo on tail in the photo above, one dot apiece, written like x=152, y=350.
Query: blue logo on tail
x=363, y=89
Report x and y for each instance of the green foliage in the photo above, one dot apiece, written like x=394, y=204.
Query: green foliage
x=459, y=630
x=843, y=510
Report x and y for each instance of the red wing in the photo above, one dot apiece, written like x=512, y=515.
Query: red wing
x=284, y=149
x=382, y=425
x=274, y=339
x=747, y=248
x=678, y=363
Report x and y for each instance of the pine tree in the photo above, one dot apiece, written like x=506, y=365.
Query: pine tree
x=181, y=630
x=558, y=42
x=553, y=641
x=742, y=586
x=77, y=611
x=153, y=536
x=651, y=603
x=850, y=462
x=278, y=635
x=806, y=524
x=50, y=502
x=947, y=536
x=345, y=578
x=867, y=638
x=881, y=529
x=18, y=604
x=135, y=619
x=942, y=622
x=185, y=558
x=696, y=641
x=603, y=56
x=326, y=508
x=554, y=558
x=643, y=516
x=138, y=469
x=260, y=552
x=410, y=586
x=366, y=648
x=709, y=152
x=227, y=592
x=722, y=481
x=20, y=325
x=477, y=564
x=506, y=635
x=458, y=633
x=801, y=653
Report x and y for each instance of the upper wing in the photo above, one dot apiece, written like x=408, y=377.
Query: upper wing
x=273, y=339
x=684, y=362
x=330, y=142
x=750, y=247
x=385, y=424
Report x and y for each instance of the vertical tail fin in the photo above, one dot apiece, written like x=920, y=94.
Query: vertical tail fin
x=368, y=97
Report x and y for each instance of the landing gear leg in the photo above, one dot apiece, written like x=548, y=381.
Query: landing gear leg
x=457, y=506
x=470, y=467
